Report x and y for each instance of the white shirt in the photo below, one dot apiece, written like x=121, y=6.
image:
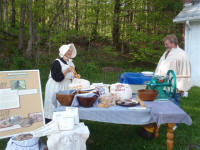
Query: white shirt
x=178, y=61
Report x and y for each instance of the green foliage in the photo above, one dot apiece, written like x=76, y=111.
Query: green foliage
x=149, y=56
x=147, y=49
x=143, y=24
x=152, y=22
x=74, y=36
x=20, y=63
x=109, y=50
x=58, y=39
x=3, y=64
x=87, y=69
x=91, y=67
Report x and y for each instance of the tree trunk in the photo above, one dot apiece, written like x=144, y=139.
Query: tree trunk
x=6, y=15
x=77, y=16
x=35, y=22
x=30, y=41
x=123, y=34
x=97, y=20
x=1, y=15
x=67, y=14
x=36, y=33
x=116, y=25
x=128, y=19
x=62, y=18
x=56, y=27
x=105, y=21
x=21, y=24
x=43, y=17
x=13, y=13
x=85, y=16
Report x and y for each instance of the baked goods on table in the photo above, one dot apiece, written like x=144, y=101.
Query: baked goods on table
x=118, y=93
x=107, y=100
x=109, y=94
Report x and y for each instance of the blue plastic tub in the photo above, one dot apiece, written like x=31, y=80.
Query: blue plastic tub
x=134, y=78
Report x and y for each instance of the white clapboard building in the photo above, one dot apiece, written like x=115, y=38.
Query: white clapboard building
x=190, y=16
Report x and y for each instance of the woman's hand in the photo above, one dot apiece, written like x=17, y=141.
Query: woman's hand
x=79, y=76
x=69, y=69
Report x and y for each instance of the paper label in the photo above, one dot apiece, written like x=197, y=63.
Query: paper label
x=26, y=92
x=9, y=99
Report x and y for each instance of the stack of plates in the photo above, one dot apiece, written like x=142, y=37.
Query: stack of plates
x=147, y=73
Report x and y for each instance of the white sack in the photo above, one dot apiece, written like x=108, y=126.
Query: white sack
x=123, y=91
x=105, y=87
x=79, y=84
x=69, y=140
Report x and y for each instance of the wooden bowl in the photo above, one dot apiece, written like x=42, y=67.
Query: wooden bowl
x=147, y=95
x=65, y=99
x=86, y=101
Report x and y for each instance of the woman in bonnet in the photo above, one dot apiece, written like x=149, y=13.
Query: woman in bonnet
x=60, y=77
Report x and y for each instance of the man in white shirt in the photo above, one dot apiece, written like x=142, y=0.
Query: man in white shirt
x=176, y=59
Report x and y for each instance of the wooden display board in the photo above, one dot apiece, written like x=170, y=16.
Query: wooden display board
x=21, y=104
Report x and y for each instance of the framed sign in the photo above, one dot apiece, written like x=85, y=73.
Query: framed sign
x=21, y=104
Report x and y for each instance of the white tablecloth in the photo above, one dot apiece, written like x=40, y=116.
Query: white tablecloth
x=115, y=114
x=160, y=112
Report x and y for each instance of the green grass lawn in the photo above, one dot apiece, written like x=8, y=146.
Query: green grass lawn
x=104, y=136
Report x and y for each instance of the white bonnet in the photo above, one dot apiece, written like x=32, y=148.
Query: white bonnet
x=64, y=48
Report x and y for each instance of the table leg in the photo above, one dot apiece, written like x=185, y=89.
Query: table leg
x=170, y=136
x=156, y=131
x=46, y=148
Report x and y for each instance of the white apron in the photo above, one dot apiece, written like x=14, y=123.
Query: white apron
x=52, y=87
